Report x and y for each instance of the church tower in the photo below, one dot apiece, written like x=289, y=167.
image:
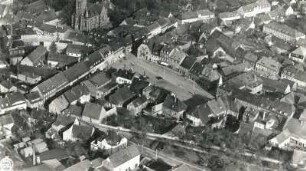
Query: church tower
x=80, y=8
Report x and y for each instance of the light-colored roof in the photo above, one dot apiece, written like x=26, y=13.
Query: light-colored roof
x=284, y=29
x=300, y=51
x=270, y=63
x=123, y=156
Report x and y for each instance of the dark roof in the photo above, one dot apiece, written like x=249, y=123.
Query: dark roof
x=33, y=97
x=63, y=120
x=82, y=132
x=63, y=60
x=138, y=85
x=128, y=74
x=188, y=62
x=37, y=54
x=100, y=79
x=53, y=83
x=44, y=72
x=139, y=101
x=74, y=48
x=75, y=93
x=121, y=95
x=57, y=153
x=76, y=71
x=173, y=103
x=73, y=110
x=92, y=110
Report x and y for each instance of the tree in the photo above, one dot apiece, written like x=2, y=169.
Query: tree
x=53, y=48
x=216, y=163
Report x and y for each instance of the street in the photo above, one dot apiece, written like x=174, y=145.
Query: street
x=169, y=79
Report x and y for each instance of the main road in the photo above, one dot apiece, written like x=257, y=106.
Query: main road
x=184, y=88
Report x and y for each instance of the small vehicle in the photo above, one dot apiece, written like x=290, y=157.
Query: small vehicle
x=159, y=77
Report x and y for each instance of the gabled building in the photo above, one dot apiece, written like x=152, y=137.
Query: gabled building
x=293, y=136
x=125, y=159
x=7, y=87
x=295, y=75
x=121, y=97
x=112, y=142
x=255, y=8
x=268, y=67
x=283, y=32
x=200, y=15
x=35, y=58
x=94, y=113
x=78, y=132
x=78, y=51
x=298, y=54
x=12, y=101
x=58, y=105
x=79, y=94
x=137, y=105
x=173, y=107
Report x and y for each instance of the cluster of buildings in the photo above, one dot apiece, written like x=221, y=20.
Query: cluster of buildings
x=250, y=59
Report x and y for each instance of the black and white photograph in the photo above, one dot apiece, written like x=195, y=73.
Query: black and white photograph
x=152, y=85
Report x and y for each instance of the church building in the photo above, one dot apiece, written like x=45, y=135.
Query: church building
x=88, y=16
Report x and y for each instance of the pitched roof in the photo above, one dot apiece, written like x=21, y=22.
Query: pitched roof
x=82, y=132
x=53, y=83
x=121, y=95
x=300, y=51
x=139, y=101
x=37, y=54
x=173, y=103
x=81, y=166
x=123, y=156
x=74, y=111
x=295, y=73
x=100, y=79
x=76, y=71
x=284, y=29
x=92, y=111
x=75, y=93
x=270, y=63
x=57, y=153
x=188, y=62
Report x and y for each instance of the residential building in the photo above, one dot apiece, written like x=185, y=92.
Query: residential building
x=268, y=67
x=137, y=105
x=298, y=54
x=112, y=142
x=7, y=87
x=34, y=100
x=78, y=51
x=121, y=97
x=200, y=15
x=77, y=94
x=125, y=159
x=6, y=125
x=12, y=101
x=35, y=58
x=255, y=8
x=294, y=75
x=78, y=133
x=123, y=76
x=89, y=16
x=58, y=105
x=292, y=136
x=173, y=107
x=283, y=32
x=228, y=17
x=94, y=113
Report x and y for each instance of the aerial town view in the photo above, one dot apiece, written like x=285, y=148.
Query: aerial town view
x=152, y=85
